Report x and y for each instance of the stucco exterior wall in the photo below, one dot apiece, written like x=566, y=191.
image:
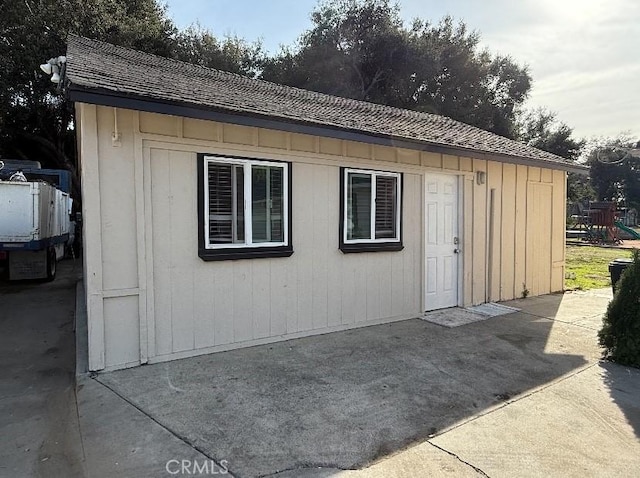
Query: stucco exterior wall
x=151, y=298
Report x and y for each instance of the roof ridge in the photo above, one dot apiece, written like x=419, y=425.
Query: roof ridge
x=244, y=78
x=135, y=75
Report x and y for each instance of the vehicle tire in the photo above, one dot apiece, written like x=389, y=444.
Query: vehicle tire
x=52, y=264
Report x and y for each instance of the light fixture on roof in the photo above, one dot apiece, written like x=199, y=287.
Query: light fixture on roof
x=55, y=78
x=53, y=67
x=46, y=67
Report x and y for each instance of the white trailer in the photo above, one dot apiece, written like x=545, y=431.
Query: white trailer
x=35, y=227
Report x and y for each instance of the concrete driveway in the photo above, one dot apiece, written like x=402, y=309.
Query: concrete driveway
x=522, y=394
x=39, y=433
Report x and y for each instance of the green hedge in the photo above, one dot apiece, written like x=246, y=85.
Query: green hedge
x=620, y=333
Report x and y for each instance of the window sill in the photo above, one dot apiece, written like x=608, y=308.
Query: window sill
x=371, y=247
x=234, y=254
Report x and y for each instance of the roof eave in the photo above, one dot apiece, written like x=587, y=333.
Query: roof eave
x=81, y=94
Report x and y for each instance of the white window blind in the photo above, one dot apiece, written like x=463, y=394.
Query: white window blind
x=386, y=203
x=239, y=189
x=372, y=206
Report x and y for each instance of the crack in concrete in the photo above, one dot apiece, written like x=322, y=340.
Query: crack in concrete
x=505, y=404
x=478, y=470
x=77, y=410
x=153, y=419
x=308, y=466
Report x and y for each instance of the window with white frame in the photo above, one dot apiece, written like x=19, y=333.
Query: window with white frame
x=371, y=210
x=245, y=208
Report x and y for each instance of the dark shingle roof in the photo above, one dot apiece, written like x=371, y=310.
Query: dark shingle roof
x=113, y=71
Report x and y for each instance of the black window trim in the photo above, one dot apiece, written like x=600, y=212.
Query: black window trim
x=235, y=253
x=379, y=246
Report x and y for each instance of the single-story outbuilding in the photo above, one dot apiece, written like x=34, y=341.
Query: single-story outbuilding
x=223, y=212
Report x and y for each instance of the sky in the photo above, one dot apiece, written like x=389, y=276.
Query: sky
x=583, y=55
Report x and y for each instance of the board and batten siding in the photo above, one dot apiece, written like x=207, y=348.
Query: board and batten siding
x=151, y=298
x=206, y=304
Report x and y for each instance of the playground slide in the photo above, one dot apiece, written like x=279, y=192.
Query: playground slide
x=628, y=230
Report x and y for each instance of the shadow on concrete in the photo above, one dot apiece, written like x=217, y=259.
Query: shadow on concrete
x=624, y=389
x=345, y=399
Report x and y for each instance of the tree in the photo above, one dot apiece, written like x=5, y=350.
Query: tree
x=541, y=129
x=361, y=49
x=468, y=85
x=355, y=50
x=615, y=171
x=199, y=46
x=620, y=333
x=35, y=123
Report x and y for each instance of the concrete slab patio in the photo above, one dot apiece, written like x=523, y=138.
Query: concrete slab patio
x=522, y=394
x=518, y=394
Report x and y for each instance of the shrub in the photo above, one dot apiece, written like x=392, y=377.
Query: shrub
x=620, y=333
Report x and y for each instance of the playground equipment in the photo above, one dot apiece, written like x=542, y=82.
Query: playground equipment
x=600, y=225
x=628, y=230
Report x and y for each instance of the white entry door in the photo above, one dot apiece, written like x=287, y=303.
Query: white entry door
x=442, y=241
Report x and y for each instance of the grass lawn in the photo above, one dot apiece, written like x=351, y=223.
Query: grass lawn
x=587, y=267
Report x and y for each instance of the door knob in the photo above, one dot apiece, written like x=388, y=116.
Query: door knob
x=456, y=251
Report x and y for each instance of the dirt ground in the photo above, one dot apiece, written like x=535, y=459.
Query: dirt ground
x=628, y=244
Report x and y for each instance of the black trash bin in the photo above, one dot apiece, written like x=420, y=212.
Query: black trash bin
x=615, y=270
